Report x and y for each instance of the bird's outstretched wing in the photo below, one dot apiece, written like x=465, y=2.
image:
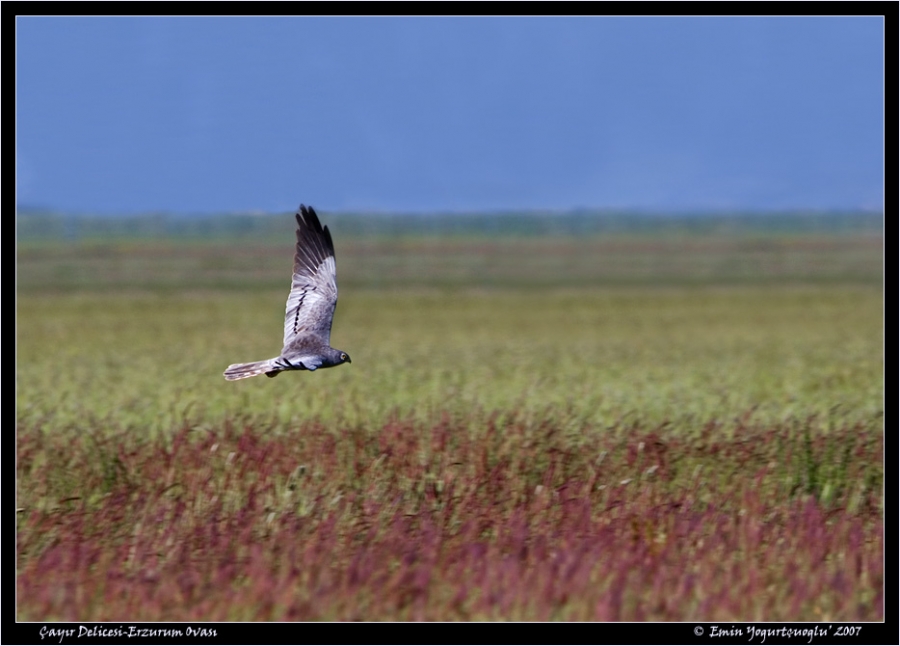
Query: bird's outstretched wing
x=310, y=306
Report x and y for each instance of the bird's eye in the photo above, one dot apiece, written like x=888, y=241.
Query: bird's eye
x=343, y=356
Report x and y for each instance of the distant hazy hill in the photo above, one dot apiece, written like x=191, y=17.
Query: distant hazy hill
x=45, y=225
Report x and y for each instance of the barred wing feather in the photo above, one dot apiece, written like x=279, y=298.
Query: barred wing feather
x=313, y=297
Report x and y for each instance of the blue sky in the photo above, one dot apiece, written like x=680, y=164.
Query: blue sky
x=188, y=115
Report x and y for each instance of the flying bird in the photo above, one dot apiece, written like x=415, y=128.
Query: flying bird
x=310, y=307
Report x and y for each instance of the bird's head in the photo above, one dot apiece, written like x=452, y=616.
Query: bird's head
x=331, y=357
x=337, y=357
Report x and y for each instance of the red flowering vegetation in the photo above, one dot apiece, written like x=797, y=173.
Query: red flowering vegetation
x=461, y=521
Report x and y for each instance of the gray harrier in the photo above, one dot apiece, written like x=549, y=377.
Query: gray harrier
x=310, y=307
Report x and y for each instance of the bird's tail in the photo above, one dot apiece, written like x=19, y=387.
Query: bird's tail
x=243, y=370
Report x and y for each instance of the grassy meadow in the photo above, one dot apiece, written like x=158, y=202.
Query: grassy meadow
x=541, y=422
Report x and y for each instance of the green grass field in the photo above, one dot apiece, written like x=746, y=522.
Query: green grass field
x=517, y=409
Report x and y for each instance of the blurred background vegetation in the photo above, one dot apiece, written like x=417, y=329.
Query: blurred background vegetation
x=586, y=318
x=572, y=249
x=718, y=374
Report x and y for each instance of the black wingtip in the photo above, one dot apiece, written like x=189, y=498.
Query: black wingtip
x=307, y=219
x=306, y=216
x=311, y=231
